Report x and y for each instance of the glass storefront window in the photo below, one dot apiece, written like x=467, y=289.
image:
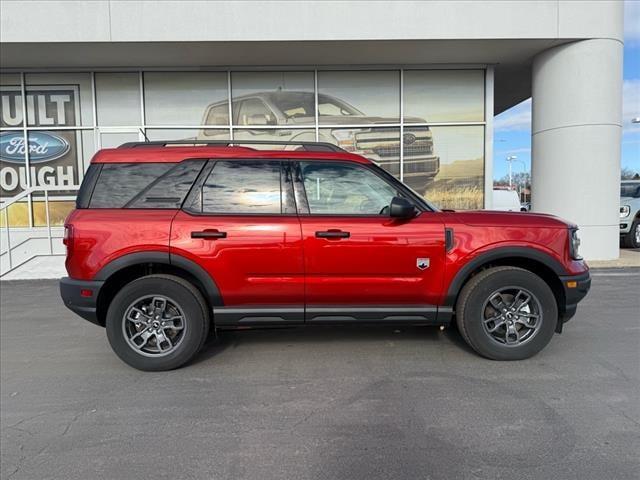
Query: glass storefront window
x=185, y=134
x=59, y=99
x=118, y=99
x=357, y=110
x=459, y=183
x=115, y=139
x=177, y=98
x=359, y=97
x=277, y=135
x=57, y=159
x=10, y=101
x=273, y=98
x=382, y=145
x=443, y=96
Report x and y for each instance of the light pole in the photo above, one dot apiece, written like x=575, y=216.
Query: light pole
x=522, y=180
x=510, y=159
x=635, y=120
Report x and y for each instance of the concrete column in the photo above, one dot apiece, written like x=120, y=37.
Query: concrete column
x=576, y=133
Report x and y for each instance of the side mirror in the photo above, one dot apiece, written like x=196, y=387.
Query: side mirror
x=401, y=208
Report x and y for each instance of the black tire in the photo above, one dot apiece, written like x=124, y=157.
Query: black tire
x=470, y=312
x=629, y=240
x=183, y=294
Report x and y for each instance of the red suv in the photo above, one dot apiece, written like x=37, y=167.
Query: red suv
x=169, y=241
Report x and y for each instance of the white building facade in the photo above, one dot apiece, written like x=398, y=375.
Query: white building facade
x=412, y=85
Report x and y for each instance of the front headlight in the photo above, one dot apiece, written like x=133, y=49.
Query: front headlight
x=625, y=210
x=574, y=244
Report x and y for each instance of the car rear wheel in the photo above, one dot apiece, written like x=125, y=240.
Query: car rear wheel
x=506, y=313
x=157, y=322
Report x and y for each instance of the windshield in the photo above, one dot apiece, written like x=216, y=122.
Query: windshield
x=630, y=189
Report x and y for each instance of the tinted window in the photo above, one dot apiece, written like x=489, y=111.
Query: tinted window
x=144, y=185
x=341, y=189
x=89, y=181
x=240, y=187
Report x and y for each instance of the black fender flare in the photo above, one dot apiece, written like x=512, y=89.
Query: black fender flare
x=140, y=258
x=497, y=254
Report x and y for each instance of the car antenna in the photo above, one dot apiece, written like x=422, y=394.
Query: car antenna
x=146, y=139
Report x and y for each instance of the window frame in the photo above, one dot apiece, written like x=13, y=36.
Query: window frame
x=287, y=195
x=303, y=202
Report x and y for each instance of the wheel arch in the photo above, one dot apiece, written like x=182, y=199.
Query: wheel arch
x=123, y=270
x=535, y=261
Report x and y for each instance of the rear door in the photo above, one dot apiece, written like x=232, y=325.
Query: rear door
x=239, y=223
x=361, y=264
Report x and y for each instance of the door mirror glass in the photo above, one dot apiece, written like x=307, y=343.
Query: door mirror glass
x=401, y=208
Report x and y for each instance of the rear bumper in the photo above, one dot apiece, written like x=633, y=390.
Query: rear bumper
x=75, y=296
x=573, y=294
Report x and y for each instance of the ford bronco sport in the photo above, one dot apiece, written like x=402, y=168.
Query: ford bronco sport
x=168, y=243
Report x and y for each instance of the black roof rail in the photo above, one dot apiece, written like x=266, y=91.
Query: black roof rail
x=308, y=146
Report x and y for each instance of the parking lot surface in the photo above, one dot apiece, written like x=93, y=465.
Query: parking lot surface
x=321, y=403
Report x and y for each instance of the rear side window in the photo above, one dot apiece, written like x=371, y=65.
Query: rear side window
x=144, y=185
x=240, y=187
x=88, y=183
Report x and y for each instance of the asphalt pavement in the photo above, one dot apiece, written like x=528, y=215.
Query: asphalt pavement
x=321, y=403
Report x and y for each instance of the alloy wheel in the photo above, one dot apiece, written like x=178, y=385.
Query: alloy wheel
x=154, y=325
x=511, y=316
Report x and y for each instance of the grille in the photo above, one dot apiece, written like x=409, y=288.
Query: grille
x=393, y=150
x=420, y=166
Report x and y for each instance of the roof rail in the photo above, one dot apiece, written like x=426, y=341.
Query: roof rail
x=308, y=146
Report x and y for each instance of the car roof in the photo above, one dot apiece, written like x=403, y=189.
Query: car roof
x=175, y=154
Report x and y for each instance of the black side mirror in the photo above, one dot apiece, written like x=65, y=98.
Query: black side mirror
x=401, y=208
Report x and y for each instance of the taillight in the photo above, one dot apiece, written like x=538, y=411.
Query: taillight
x=67, y=239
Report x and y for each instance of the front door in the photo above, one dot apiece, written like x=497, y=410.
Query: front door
x=239, y=223
x=360, y=264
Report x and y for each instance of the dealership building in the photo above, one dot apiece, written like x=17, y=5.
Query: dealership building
x=413, y=85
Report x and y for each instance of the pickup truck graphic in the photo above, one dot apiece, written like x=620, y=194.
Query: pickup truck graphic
x=295, y=108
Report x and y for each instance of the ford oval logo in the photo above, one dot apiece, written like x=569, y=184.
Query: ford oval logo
x=408, y=138
x=43, y=147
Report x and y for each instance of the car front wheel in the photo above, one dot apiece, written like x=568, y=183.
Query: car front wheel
x=157, y=322
x=632, y=239
x=506, y=313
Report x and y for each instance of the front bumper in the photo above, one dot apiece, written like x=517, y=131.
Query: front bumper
x=75, y=295
x=625, y=226
x=575, y=288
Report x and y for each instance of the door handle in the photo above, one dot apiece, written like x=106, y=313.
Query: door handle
x=209, y=234
x=333, y=234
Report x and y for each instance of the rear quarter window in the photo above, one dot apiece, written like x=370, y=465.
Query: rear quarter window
x=144, y=185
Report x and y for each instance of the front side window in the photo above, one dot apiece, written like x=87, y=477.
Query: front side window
x=340, y=189
x=240, y=187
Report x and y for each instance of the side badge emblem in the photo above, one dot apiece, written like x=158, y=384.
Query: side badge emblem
x=422, y=263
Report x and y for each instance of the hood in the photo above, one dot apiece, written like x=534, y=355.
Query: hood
x=491, y=218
